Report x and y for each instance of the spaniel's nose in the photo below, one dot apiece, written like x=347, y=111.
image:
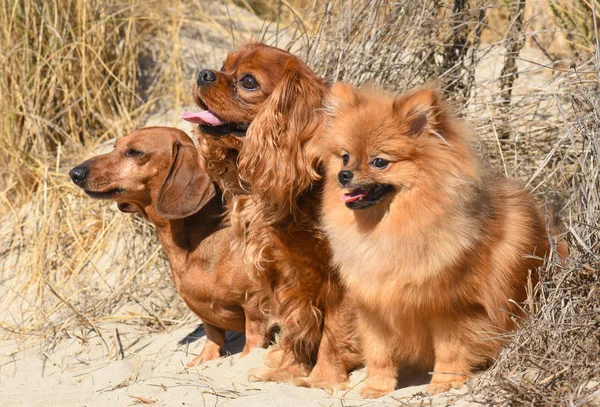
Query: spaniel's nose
x=78, y=174
x=206, y=76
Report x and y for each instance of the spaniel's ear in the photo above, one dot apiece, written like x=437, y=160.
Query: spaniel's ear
x=421, y=108
x=276, y=158
x=340, y=95
x=187, y=188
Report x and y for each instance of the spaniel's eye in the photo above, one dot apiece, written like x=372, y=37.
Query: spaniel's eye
x=380, y=163
x=345, y=159
x=132, y=152
x=249, y=83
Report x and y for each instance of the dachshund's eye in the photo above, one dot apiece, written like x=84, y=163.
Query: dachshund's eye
x=380, y=163
x=248, y=82
x=132, y=152
x=345, y=158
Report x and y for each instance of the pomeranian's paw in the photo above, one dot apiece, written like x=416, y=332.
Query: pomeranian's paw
x=441, y=387
x=369, y=392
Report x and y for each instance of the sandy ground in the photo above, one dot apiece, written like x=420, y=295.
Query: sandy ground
x=76, y=372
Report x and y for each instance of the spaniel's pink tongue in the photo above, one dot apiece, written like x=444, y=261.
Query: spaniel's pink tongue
x=353, y=196
x=204, y=117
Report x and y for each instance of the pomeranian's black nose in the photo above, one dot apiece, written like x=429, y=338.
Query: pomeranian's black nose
x=78, y=174
x=344, y=177
x=206, y=76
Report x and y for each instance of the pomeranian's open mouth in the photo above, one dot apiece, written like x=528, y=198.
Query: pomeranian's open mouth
x=104, y=194
x=365, y=197
x=210, y=123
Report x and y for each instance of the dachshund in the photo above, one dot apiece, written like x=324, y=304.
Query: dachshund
x=158, y=172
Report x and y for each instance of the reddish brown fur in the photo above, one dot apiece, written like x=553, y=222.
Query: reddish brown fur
x=432, y=265
x=168, y=186
x=220, y=158
x=277, y=218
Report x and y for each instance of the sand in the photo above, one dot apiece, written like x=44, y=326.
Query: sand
x=73, y=372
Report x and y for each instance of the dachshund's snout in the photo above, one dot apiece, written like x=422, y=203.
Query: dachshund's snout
x=344, y=177
x=79, y=174
x=206, y=76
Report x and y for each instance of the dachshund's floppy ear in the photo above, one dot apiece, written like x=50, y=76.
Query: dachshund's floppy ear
x=187, y=188
x=278, y=157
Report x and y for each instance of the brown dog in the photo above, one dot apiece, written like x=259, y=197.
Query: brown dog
x=431, y=248
x=157, y=171
x=261, y=121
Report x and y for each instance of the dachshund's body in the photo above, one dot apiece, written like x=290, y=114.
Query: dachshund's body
x=210, y=277
x=261, y=123
x=157, y=171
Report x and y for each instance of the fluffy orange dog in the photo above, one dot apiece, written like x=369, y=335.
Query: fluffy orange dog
x=430, y=247
x=262, y=117
x=158, y=172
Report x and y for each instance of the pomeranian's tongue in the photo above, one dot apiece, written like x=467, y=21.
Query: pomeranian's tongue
x=204, y=117
x=354, y=196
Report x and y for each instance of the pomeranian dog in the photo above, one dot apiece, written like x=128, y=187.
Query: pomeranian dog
x=434, y=252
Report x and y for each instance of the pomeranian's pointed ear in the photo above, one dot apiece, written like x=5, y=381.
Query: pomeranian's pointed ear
x=420, y=108
x=340, y=95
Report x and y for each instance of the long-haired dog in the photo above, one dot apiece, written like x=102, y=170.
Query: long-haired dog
x=158, y=172
x=262, y=118
x=434, y=252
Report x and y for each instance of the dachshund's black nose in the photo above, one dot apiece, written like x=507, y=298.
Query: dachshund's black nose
x=344, y=177
x=206, y=76
x=78, y=174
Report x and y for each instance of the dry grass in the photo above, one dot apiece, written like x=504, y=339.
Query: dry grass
x=554, y=359
x=77, y=74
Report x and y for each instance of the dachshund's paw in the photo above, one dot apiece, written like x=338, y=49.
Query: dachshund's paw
x=208, y=353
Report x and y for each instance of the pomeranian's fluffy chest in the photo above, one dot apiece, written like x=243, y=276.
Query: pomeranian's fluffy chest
x=411, y=265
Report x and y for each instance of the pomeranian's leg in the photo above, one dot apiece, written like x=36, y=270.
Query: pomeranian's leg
x=460, y=344
x=215, y=339
x=378, y=345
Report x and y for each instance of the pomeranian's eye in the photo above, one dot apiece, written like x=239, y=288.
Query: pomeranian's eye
x=380, y=163
x=132, y=152
x=345, y=159
x=248, y=82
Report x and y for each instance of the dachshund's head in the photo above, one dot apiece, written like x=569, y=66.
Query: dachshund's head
x=154, y=166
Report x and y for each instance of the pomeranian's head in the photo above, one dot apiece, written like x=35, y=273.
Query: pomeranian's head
x=378, y=146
